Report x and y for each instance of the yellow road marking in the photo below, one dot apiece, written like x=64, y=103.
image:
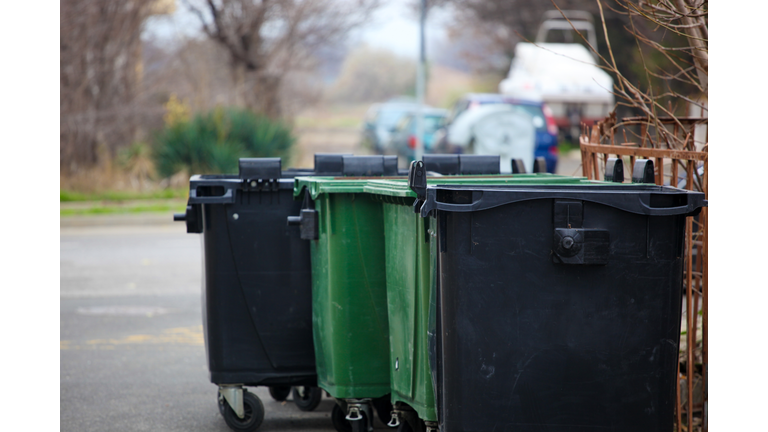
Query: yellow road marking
x=173, y=336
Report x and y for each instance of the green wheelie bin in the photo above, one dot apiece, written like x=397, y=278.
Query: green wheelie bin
x=410, y=278
x=349, y=297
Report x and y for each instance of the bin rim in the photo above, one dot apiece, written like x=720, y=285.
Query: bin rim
x=398, y=186
x=316, y=185
x=632, y=198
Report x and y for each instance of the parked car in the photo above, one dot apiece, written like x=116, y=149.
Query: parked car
x=403, y=141
x=546, y=129
x=381, y=120
x=496, y=129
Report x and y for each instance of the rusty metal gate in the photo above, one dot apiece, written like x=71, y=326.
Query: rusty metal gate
x=677, y=162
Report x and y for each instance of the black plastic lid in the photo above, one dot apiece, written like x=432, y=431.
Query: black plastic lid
x=479, y=164
x=446, y=164
x=260, y=168
x=369, y=166
x=329, y=163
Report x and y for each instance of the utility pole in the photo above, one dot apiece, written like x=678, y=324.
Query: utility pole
x=420, y=72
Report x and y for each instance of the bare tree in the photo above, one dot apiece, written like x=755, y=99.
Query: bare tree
x=100, y=52
x=266, y=39
x=665, y=96
x=668, y=86
x=497, y=25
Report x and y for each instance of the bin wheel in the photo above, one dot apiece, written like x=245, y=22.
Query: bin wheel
x=307, y=398
x=404, y=427
x=221, y=402
x=383, y=407
x=279, y=393
x=254, y=414
x=360, y=425
x=339, y=419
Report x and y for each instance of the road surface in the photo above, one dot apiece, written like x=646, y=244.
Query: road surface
x=132, y=350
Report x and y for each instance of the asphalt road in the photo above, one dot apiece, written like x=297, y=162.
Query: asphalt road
x=132, y=351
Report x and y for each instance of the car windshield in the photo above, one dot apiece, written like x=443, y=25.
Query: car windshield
x=431, y=123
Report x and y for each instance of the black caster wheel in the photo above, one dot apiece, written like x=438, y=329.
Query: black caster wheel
x=406, y=426
x=339, y=419
x=279, y=393
x=254, y=414
x=221, y=402
x=383, y=407
x=307, y=398
x=360, y=425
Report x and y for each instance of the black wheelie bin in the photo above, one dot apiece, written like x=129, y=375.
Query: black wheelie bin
x=557, y=307
x=257, y=290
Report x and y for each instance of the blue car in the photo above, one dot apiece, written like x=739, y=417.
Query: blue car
x=546, y=129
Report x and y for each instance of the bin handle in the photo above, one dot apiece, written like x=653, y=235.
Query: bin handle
x=627, y=200
x=666, y=211
x=227, y=198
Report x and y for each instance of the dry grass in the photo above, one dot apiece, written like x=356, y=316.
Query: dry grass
x=447, y=85
x=109, y=179
x=328, y=129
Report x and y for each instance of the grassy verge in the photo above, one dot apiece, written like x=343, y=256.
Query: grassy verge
x=106, y=210
x=72, y=196
x=567, y=146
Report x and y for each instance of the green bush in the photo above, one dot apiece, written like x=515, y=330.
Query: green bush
x=212, y=143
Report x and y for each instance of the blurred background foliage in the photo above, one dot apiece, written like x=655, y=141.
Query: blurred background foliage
x=213, y=141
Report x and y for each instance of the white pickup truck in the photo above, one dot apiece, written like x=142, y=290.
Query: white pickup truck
x=563, y=75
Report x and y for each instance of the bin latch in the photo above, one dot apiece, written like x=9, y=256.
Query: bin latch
x=573, y=244
x=581, y=246
x=417, y=181
x=307, y=221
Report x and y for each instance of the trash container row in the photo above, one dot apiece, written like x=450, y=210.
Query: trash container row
x=523, y=302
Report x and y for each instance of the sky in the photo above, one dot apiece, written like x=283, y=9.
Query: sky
x=393, y=26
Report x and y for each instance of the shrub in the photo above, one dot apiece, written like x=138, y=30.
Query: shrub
x=212, y=143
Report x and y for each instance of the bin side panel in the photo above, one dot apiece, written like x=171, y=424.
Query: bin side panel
x=351, y=330
x=529, y=344
x=408, y=279
x=233, y=348
x=424, y=397
x=273, y=268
